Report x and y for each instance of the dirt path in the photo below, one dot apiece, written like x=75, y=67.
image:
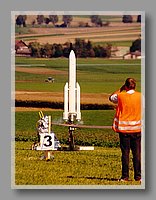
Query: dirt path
x=86, y=98
x=21, y=109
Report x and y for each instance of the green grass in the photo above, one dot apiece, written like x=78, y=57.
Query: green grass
x=62, y=63
x=56, y=63
x=95, y=75
x=100, y=167
x=25, y=126
x=26, y=120
x=127, y=43
x=40, y=86
x=23, y=30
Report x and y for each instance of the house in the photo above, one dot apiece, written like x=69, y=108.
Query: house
x=134, y=50
x=132, y=55
x=21, y=48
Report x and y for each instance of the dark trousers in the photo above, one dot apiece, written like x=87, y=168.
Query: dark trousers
x=131, y=141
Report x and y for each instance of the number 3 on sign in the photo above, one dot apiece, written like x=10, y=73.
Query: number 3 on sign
x=46, y=141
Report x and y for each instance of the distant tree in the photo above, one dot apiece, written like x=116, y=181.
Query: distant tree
x=95, y=19
x=63, y=25
x=108, y=50
x=89, y=45
x=127, y=19
x=79, y=43
x=136, y=45
x=67, y=19
x=35, y=49
x=21, y=20
x=24, y=20
x=84, y=53
x=81, y=48
x=58, y=50
x=40, y=19
x=47, y=50
x=53, y=19
x=91, y=53
x=66, y=52
x=97, y=51
x=99, y=22
x=46, y=20
x=139, y=19
x=103, y=52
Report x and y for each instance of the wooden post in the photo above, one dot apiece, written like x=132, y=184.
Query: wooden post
x=47, y=152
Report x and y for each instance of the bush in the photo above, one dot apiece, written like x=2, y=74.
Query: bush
x=59, y=105
x=127, y=19
x=82, y=48
x=139, y=19
x=136, y=46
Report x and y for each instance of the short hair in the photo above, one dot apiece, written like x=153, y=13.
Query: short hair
x=130, y=83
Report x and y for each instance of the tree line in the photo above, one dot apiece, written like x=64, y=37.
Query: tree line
x=67, y=19
x=82, y=49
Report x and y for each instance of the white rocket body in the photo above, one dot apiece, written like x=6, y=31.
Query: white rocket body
x=72, y=93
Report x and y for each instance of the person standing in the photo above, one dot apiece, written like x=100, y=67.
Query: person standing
x=127, y=122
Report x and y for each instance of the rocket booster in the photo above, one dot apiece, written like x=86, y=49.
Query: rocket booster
x=72, y=93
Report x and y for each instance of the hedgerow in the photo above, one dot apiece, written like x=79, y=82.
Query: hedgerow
x=60, y=105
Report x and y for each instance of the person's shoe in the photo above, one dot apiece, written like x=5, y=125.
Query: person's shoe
x=123, y=179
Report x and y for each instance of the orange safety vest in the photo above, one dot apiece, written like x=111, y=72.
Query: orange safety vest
x=128, y=113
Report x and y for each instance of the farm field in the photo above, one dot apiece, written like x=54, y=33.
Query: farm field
x=116, y=31
x=96, y=78
x=54, y=35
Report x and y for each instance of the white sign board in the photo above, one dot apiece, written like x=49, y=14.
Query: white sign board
x=48, y=141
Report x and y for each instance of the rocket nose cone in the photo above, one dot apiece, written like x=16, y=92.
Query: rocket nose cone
x=72, y=54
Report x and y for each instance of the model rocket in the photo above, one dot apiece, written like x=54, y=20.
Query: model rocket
x=72, y=93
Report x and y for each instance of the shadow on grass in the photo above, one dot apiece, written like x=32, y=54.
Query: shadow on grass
x=93, y=177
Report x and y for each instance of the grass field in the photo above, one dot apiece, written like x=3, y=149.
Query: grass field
x=25, y=124
x=96, y=77
x=100, y=167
